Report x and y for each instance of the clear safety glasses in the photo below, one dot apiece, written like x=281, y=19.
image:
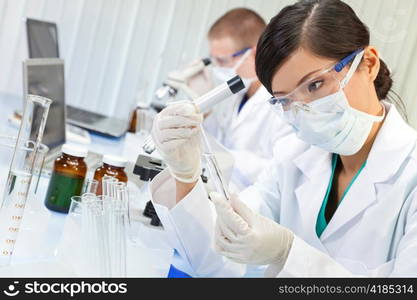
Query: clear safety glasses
x=328, y=82
x=224, y=61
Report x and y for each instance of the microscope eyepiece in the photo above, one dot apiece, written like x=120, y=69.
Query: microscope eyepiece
x=236, y=84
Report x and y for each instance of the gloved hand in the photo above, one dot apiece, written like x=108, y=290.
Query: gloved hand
x=175, y=133
x=247, y=237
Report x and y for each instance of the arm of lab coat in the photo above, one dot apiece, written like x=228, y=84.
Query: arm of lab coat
x=264, y=196
x=247, y=167
x=405, y=264
x=190, y=228
x=306, y=261
x=212, y=125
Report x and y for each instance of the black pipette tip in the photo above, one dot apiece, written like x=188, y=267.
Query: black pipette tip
x=206, y=61
x=236, y=84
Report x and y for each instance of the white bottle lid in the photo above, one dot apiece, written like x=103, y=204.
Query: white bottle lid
x=115, y=161
x=74, y=150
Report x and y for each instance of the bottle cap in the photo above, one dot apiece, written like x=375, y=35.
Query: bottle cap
x=115, y=161
x=74, y=150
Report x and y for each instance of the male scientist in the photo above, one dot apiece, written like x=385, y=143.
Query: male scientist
x=245, y=123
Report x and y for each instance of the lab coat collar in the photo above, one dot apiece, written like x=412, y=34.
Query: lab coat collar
x=392, y=145
x=315, y=164
x=394, y=142
x=260, y=97
x=359, y=198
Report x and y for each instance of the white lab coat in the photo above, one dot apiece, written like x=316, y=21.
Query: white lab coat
x=372, y=233
x=249, y=135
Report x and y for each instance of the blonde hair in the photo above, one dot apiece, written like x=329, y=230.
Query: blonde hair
x=242, y=25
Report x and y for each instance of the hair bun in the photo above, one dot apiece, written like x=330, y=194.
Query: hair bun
x=383, y=81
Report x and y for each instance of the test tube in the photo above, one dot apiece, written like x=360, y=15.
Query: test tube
x=117, y=239
x=107, y=185
x=213, y=167
x=105, y=226
x=89, y=186
x=121, y=192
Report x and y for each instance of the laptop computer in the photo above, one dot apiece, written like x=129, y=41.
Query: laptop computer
x=45, y=77
x=43, y=42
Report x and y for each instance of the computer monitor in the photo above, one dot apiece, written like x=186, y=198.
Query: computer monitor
x=42, y=39
x=45, y=77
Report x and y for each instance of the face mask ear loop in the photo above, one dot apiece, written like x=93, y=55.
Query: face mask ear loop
x=240, y=62
x=352, y=69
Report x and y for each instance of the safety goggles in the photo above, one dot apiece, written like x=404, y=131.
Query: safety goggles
x=222, y=61
x=327, y=82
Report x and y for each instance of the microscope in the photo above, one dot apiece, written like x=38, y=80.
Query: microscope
x=179, y=81
x=147, y=167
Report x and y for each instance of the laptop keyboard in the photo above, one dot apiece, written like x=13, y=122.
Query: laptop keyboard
x=83, y=115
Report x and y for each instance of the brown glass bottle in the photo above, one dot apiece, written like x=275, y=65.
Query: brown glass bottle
x=67, y=178
x=133, y=121
x=112, y=166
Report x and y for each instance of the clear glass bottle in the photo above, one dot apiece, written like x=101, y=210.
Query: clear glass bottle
x=67, y=178
x=113, y=166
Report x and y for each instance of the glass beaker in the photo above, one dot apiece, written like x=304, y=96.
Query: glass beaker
x=22, y=168
x=7, y=148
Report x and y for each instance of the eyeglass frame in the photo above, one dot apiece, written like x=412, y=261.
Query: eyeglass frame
x=229, y=57
x=338, y=67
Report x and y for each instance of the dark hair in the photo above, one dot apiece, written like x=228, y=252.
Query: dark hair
x=243, y=25
x=329, y=28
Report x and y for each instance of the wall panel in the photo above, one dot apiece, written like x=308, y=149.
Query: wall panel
x=119, y=51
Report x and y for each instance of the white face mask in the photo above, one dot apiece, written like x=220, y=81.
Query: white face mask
x=331, y=123
x=223, y=74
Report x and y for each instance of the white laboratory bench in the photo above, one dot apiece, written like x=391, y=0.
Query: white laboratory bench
x=40, y=250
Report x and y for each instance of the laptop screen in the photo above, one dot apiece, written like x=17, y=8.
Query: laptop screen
x=45, y=77
x=42, y=39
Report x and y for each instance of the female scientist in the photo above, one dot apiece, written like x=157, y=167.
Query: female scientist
x=346, y=206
